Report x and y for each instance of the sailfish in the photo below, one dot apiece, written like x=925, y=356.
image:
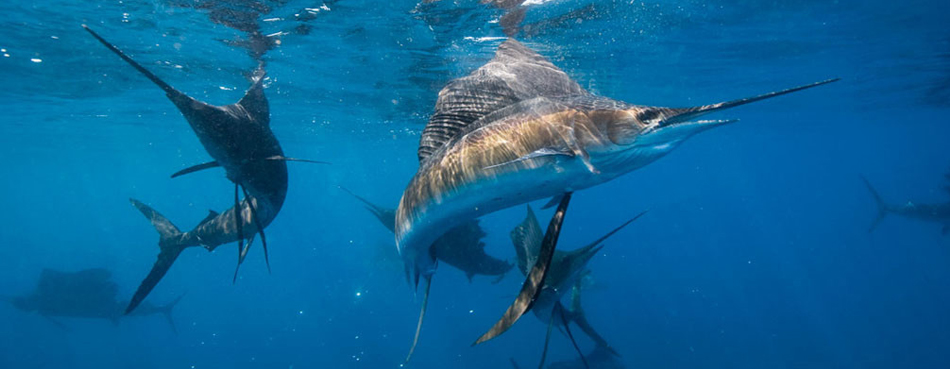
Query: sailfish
x=519, y=129
x=565, y=275
x=239, y=139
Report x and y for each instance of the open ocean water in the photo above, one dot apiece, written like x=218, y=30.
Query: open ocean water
x=755, y=252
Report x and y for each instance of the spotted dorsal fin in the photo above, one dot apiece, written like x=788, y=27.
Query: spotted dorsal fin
x=515, y=74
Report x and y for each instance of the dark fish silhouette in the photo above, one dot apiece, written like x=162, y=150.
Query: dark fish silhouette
x=518, y=129
x=937, y=213
x=239, y=139
x=598, y=358
x=460, y=247
x=89, y=293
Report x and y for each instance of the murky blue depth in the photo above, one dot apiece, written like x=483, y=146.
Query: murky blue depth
x=755, y=252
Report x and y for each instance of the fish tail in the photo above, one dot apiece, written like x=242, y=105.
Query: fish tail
x=167, y=312
x=882, y=208
x=170, y=244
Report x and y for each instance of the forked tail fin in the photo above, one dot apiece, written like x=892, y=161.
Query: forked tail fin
x=170, y=244
x=882, y=208
x=386, y=216
x=167, y=312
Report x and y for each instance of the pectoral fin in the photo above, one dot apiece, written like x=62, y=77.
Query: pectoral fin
x=540, y=153
x=535, y=281
x=195, y=168
x=284, y=158
x=552, y=202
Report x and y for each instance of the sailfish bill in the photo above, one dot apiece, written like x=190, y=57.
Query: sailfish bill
x=535, y=280
x=685, y=114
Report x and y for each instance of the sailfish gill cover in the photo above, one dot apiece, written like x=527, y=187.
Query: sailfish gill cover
x=813, y=231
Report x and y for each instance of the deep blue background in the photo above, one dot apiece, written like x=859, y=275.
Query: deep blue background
x=755, y=252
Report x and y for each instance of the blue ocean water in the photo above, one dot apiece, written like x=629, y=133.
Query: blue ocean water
x=755, y=251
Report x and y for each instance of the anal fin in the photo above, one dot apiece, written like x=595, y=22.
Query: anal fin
x=257, y=223
x=239, y=224
x=422, y=315
x=242, y=254
x=535, y=281
x=547, y=340
x=559, y=310
x=552, y=202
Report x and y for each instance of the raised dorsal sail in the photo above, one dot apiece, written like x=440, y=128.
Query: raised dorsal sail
x=515, y=74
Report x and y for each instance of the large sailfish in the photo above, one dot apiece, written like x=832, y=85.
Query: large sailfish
x=518, y=129
x=239, y=139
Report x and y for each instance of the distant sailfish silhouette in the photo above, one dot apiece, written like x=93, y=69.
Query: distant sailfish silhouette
x=239, y=139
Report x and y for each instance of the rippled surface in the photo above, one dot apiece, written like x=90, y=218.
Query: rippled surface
x=755, y=252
